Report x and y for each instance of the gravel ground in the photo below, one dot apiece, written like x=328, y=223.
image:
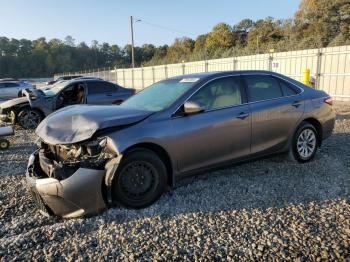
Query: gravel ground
x=268, y=209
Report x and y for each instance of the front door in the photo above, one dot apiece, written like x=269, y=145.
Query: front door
x=221, y=133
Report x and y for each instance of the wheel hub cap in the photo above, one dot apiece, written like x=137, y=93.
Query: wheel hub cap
x=137, y=178
x=306, y=143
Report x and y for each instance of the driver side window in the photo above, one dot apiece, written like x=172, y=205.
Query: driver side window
x=72, y=95
x=219, y=93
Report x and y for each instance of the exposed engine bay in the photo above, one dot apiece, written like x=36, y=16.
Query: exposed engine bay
x=61, y=161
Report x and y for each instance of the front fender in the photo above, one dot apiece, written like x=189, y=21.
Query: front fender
x=39, y=102
x=111, y=167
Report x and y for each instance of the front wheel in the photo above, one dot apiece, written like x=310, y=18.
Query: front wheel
x=139, y=180
x=304, y=144
x=29, y=118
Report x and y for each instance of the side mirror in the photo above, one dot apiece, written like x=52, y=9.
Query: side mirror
x=192, y=108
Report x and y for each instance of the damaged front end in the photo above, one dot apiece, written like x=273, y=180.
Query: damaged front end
x=70, y=180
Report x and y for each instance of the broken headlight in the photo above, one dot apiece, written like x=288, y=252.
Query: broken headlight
x=87, y=150
x=93, y=152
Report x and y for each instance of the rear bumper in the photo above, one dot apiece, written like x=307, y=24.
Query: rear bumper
x=78, y=195
x=328, y=124
x=328, y=127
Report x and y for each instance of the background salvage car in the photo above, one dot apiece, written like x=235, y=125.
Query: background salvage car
x=13, y=88
x=30, y=110
x=61, y=78
x=91, y=157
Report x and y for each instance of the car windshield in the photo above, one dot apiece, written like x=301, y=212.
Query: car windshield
x=160, y=95
x=55, y=89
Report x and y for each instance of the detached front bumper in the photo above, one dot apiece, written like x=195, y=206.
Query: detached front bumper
x=78, y=195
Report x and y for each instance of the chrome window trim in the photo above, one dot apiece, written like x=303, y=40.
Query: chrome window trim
x=243, y=74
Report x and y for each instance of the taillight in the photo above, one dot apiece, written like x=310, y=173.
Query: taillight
x=329, y=101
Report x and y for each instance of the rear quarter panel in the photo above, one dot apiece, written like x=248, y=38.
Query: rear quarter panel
x=316, y=108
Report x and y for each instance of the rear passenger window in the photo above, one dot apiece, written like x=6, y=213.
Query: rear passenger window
x=287, y=89
x=262, y=88
x=96, y=87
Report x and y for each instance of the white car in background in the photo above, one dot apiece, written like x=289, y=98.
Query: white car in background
x=12, y=89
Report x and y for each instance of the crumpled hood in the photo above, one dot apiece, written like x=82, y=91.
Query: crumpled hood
x=14, y=102
x=79, y=122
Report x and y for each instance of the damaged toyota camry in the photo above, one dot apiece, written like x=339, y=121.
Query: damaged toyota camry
x=93, y=157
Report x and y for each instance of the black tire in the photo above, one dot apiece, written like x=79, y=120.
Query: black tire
x=29, y=118
x=139, y=180
x=309, y=147
x=118, y=102
x=4, y=144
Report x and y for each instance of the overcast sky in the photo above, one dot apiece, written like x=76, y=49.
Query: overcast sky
x=108, y=20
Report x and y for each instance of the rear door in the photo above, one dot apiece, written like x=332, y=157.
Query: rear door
x=276, y=108
x=100, y=92
x=221, y=133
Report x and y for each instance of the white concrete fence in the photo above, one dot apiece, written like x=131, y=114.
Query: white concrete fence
x=330, y=68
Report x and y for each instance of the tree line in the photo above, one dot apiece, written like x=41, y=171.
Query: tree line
x=317, y=23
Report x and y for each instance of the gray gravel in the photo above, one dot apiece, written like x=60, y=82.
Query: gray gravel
x=268, y=209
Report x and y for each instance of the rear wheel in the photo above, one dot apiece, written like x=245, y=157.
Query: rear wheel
x=304, y=144
x=139, y=180
x=29, y=118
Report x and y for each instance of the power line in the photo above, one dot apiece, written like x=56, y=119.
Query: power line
x=165, y=27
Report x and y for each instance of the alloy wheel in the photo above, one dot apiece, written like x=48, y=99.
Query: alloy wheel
x=29, y=119
x=306, y=143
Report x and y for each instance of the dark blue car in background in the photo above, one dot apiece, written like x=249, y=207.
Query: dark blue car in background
x=29, y=110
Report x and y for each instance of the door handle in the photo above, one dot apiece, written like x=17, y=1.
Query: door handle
x=296, y=103
x=243, y=115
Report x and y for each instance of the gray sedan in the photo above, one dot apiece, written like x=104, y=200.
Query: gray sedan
x=13, y=88
x=92, y=157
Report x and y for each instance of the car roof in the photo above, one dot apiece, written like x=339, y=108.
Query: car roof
x=70, y=76
x=223, y=73
x=9, y=81
x=84, y=80
x=87, y=78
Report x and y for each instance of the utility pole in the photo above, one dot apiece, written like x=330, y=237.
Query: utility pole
x=132, y=42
